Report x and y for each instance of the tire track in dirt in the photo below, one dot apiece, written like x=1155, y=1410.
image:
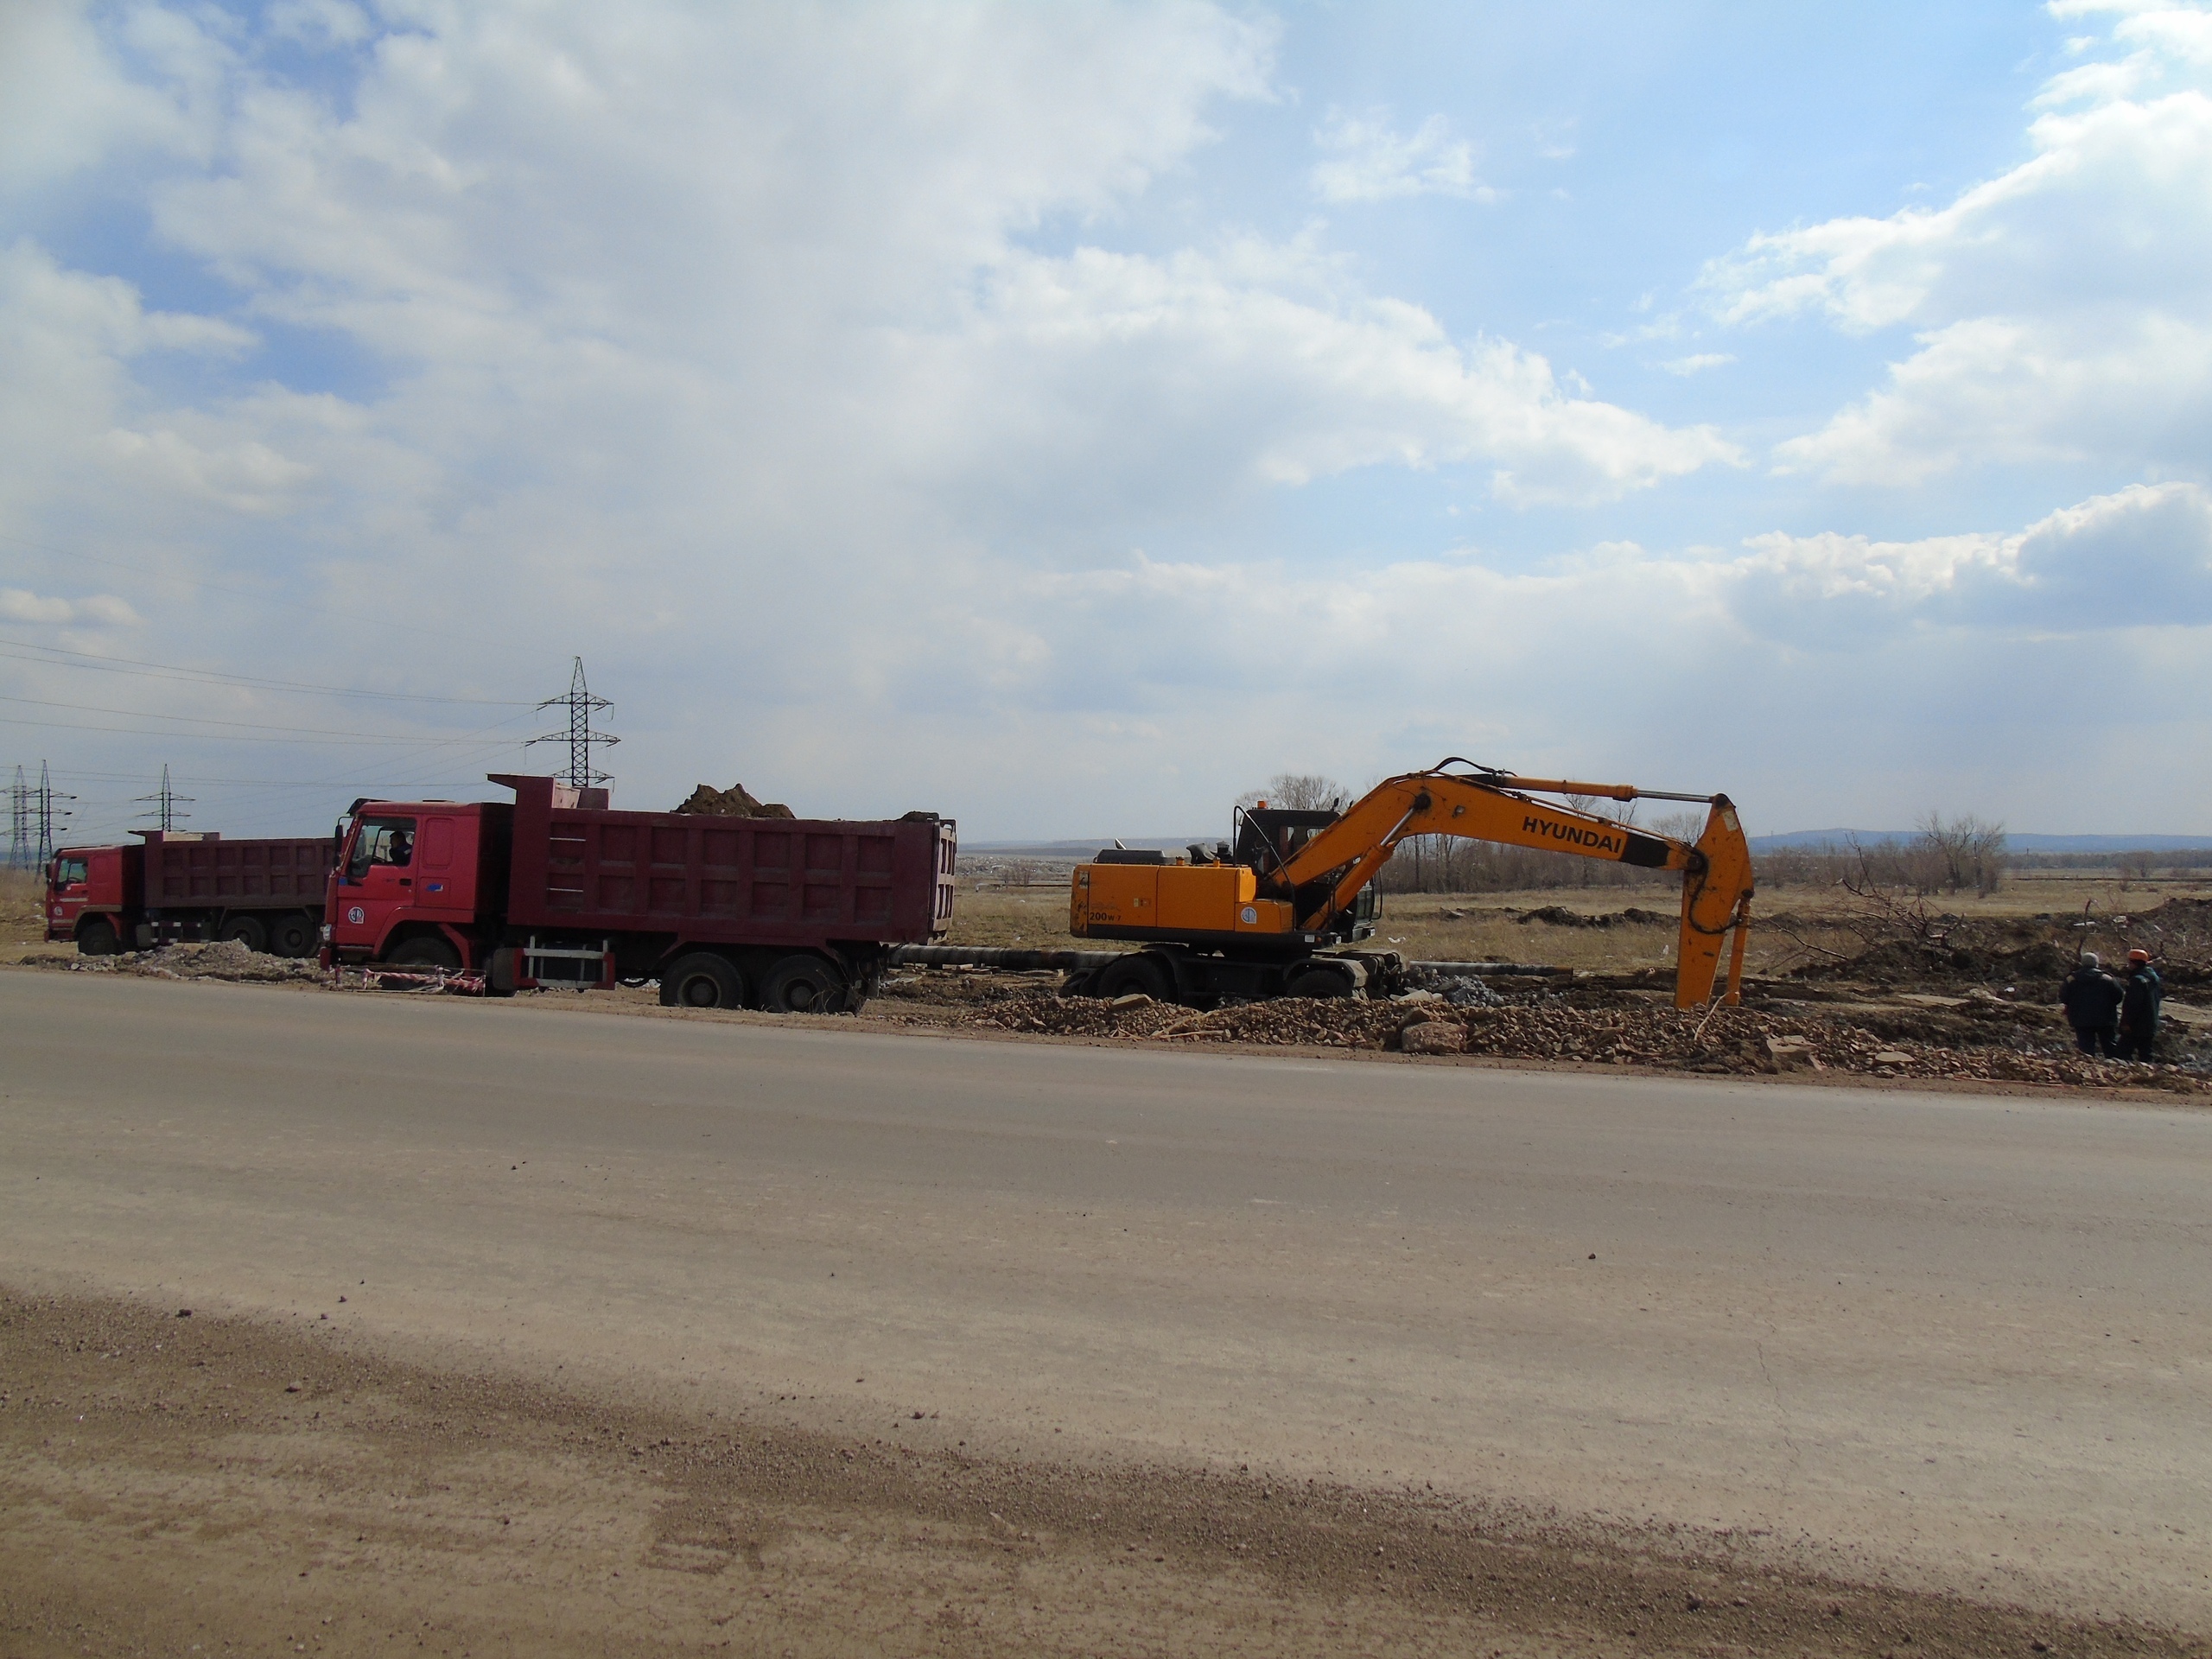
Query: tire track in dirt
x=167, y=1482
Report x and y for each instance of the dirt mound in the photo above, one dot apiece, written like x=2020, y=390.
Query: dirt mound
x=735, y=802
x=1959, y=962
x=1560, y=916
x=2003, y=1048
x=1328, y=1022
x=220, y=959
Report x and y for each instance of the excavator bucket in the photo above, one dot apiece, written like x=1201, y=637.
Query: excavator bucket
x=1716, y=902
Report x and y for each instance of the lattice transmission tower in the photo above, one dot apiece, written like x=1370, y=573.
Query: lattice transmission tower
x=165, y=804
x=582, y=704
x=45, y=816
x=19, y=824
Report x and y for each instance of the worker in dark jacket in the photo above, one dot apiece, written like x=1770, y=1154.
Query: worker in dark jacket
x=2091, y=998
x=2139, y=1008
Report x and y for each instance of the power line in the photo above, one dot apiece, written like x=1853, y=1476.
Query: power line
x=210, y=719
x=140, y=669
x=259, y=595
x=299, y=734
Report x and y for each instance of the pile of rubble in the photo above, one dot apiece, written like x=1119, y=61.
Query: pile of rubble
x=1627, y=1031
x=220, y=959
x=735, y=802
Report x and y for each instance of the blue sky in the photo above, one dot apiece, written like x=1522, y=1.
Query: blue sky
x=1065, y=417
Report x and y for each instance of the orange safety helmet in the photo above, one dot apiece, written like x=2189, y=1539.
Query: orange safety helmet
x=2138, y=956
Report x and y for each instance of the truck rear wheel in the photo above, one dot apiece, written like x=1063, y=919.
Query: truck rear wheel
x=804, y=985
x=247, y=930
x=702, y=980
x=293, y=934
x=97, y=939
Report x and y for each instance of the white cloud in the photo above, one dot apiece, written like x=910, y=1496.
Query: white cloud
x=1698, y=362
x=2058, y=311
x=1368, y=161
x=792, y=366
x=1887, y=674
x=2138, y=558
x=105, y=610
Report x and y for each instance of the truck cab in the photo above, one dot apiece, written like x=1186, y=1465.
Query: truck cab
x=410, y=879
x=90, y=892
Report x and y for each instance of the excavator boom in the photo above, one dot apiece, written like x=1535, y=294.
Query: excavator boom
x=1717, y=884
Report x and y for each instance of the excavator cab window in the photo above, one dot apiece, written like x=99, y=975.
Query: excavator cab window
x=1269, y=836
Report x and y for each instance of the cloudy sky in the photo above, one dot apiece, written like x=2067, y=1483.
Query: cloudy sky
x=1065, y=417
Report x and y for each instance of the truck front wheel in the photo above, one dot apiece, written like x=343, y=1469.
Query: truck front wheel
x=702, y=980
x=427, y=951
x=97, y=939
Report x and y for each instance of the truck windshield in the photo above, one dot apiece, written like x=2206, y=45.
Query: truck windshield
x=69, y=873
x=381, y=841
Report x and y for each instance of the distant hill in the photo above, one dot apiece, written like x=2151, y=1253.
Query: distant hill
x=2017, y=843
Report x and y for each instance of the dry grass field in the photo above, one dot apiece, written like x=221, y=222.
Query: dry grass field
x=22, y=925
x=1790, y=926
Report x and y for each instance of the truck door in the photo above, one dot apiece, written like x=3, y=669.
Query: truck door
x=68, y=885
x=437, y=883
x=375, y=884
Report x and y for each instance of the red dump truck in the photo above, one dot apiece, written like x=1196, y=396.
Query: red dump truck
x=175, y=884
x=790, y=914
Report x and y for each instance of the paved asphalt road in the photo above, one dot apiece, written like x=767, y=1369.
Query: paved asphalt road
x=1961, y=1342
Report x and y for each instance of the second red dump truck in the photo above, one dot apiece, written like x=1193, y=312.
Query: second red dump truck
x=267, y=894
x=789, y=914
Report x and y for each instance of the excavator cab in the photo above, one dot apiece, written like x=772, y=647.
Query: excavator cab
x=1270, y=838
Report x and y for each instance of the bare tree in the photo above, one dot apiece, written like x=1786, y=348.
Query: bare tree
x=1959, y=853
x=1301, y=791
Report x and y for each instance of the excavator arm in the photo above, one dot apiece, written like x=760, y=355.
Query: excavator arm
x=1499, y=807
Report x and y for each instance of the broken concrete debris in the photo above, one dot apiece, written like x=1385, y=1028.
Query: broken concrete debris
x=216, y=959
x=1603, y=1027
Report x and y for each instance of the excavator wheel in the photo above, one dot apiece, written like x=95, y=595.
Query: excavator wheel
x=1315, y=980
x=1137, y=971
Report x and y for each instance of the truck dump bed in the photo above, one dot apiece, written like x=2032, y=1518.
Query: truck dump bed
x=207, y=871
x=779, y=881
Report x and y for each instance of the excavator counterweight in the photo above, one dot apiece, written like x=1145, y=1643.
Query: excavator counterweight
x=1260, y=919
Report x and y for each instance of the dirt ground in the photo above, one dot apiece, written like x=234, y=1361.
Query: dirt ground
x=1963, y=996
x=1955, y=990
x=184, y=1484
x=173, y=1485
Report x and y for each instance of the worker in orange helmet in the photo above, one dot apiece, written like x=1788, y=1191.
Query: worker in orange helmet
x=2139, y=1008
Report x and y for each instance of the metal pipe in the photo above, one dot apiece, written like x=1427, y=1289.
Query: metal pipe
x=1486, y=968
x=973, y=955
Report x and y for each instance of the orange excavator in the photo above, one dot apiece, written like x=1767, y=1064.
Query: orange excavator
x=1270, y=915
